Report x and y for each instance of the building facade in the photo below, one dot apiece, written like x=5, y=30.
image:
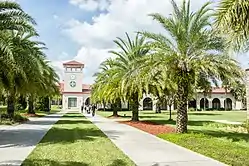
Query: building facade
x=75, y=94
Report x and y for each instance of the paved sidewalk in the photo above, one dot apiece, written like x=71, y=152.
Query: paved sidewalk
x=17, y=142
x=148, y=150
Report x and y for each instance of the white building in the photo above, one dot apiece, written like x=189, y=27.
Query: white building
x=75, y=94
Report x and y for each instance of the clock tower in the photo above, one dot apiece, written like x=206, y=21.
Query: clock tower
x=73, y=76
x=72, y=90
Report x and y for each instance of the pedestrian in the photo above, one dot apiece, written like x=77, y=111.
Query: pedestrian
x=93, y=110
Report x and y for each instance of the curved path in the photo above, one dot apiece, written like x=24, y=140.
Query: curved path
x=17, y=142
x=148, y=150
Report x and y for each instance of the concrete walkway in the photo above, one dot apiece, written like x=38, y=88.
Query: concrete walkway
x=17, y=142
x=148, y=150
x=228, y=122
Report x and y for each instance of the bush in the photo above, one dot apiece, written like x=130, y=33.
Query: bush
x=191, y=109
x=246, y=125
x=17, y=118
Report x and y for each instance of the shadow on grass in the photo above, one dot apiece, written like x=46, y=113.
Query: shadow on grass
x=37, y=162
x=40, y=162
x=70, y=135
x=234, y=136
x=209, y=114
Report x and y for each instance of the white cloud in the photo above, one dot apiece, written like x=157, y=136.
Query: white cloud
x=121, y=16
x=91, y=5
x=55, y=17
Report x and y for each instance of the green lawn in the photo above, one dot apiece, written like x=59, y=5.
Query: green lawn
x=75, y=141
x=226, y=143
x=234, y=116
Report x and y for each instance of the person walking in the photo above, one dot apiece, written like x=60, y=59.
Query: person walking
x=93, y=110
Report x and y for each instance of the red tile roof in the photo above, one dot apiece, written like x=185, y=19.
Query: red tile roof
x=217, y=90
x=73, y=63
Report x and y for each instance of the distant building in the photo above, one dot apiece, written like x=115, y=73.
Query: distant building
x=75, y=94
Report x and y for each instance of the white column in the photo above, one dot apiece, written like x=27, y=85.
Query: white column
x=198, y=103
x=222, y=102
x=154, y=104
x=210, y=103
x=140, y=107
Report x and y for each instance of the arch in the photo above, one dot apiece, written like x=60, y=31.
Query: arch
x=147, y=103
x=202, y=103
x=192, y=103
x=228, y=104
x=216, y=103
x=87, y=101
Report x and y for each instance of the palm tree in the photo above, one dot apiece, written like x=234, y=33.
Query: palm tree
x=232, y=20
x=126, y=67
x=190, y=47
x=120, y=78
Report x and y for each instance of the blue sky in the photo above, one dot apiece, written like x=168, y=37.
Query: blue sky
x=51, y=17
x=83, y=30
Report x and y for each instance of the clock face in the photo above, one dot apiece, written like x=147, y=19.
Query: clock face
x=73, y=77
x=72, y=84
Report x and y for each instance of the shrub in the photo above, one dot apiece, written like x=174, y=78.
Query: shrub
x=246, y=125
x=191, y=109
x=17, y=118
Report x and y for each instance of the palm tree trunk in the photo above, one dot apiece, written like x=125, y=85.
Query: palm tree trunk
x=31, y=105
x=182, y=94
x=134, y=107
x=170, y=112
x=104, y=106
x=11, y=105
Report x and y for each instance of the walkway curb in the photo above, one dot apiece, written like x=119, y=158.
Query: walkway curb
x=17, y=142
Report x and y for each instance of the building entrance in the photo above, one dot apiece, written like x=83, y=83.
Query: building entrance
x=72, y=102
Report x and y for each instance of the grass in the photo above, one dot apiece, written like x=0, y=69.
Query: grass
x=226, y=143
x=234, y=116
x=74, y=140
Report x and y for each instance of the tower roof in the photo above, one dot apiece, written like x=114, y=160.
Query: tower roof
x=73, y=63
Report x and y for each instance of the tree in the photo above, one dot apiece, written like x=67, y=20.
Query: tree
x=232, y=20
x=122, y=76
x=189, y=48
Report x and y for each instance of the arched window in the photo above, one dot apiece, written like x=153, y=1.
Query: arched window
x=216, y=103
x=202, y=103
x=147, y=104
x=228, y=104
x=87, y=102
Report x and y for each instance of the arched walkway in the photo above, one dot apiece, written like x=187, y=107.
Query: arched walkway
x=147, y=104
x=228, y=104
x=216, y=103
x=202, y=103
x=192, y=104
x=87, y=102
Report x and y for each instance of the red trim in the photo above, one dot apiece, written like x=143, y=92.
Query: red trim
x=76, y=92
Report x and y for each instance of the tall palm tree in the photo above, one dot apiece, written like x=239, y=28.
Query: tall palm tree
x=132, y=86
x=190, y=47
x=232, y=20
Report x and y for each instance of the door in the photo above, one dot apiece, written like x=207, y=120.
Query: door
x=72, y=102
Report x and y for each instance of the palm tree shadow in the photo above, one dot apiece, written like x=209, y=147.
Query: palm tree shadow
x=233, y=136
x=38, y=162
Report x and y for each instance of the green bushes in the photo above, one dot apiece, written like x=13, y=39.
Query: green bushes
x=246, y=125
x=8, y=120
